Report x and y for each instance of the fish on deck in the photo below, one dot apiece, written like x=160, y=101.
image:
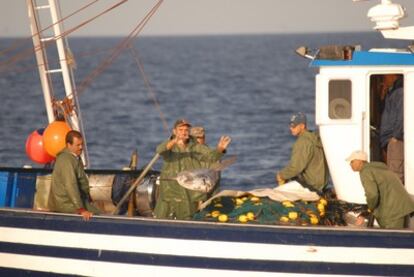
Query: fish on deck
x=203, y=179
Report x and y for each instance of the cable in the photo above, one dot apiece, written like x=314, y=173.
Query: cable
x=149, y=87
x=19, y=42
x=46, y=44
x=117, y=50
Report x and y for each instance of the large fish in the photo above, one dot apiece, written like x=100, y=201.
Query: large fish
x=203, y=179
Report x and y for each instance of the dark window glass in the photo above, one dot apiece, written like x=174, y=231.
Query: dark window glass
x=340, y=99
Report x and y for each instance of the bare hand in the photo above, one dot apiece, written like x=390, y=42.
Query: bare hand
x=172, y=142
x=223, y=143
x=360, y=220
x=181, y=142
x=279, y=179
x=86, y=215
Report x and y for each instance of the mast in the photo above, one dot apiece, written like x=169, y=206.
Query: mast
x=63, y=72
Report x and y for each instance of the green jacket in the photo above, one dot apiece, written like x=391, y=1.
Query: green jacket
x=385, y=194
x=173, y=198
x=307, y=161
x=70, y=185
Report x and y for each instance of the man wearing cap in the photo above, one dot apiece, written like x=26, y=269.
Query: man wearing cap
x=181, y=153
x=307, y=163
x=386, y=197
x=199, y=134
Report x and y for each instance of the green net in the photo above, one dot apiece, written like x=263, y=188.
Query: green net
x=262, y=210
x=251, y=209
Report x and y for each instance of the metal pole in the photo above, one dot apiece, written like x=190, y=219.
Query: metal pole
x=41, y=59
x=67, y=75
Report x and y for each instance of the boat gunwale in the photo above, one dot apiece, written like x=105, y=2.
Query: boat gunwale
x=201, y=230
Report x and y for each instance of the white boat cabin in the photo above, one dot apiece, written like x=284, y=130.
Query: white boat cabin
x=348, y=112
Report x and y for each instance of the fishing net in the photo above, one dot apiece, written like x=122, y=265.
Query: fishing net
x=251, y=209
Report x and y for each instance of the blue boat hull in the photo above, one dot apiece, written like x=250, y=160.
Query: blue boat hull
x=34, y=242
x=244, y=238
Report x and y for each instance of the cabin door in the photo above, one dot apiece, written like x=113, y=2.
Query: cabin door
x=341, y=108
x=387, y=121
x=380, y=87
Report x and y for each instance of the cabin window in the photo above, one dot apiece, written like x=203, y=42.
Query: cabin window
x=340, y=96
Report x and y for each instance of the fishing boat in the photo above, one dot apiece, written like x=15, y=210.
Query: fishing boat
x=37, y=242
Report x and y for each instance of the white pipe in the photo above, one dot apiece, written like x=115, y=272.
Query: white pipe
x=42, y=64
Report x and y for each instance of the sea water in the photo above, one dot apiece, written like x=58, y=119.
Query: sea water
x=245, y=87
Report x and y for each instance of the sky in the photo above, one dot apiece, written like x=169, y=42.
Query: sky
x=201, y=17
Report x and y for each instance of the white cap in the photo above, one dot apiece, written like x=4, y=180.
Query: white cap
x=357, y=155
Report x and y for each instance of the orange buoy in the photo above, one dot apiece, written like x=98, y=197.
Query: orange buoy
x=34, y=148
x=54, y=137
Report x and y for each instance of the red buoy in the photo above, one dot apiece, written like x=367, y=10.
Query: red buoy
x=35, y=150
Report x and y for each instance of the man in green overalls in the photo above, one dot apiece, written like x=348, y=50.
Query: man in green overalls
x=70, y=185
x=181, y=153
x=386, y=196
x=307, y=163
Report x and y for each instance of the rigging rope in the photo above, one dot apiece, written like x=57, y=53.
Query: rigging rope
x=127, y=42
x=20, y=42
x=47, y=43
x=117, y=51
x=149, y=87
x=98, y=51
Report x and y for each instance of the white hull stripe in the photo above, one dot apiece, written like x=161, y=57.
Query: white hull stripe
x=209, y=249
x=113, y=260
